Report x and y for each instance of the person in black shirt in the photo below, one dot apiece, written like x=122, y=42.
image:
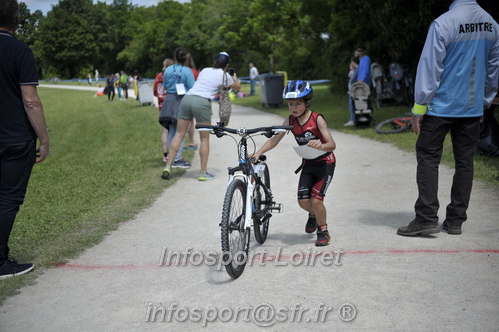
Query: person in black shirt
x=22, y=121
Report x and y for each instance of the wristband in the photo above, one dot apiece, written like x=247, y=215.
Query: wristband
x=419, y=109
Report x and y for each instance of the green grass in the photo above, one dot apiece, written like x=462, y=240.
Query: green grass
x=104, y=168
x=335, y=110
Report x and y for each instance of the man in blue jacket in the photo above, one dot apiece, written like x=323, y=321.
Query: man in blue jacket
x=364, y=71
x=457, y=77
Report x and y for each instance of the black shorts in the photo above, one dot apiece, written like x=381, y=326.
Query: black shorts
x=315, y=179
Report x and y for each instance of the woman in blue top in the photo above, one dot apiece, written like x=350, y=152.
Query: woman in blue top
x=177, y=80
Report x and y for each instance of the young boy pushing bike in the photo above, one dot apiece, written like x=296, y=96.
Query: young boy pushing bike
x=310, y=129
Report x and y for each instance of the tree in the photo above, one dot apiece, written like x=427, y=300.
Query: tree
x=154, y=37
x=67, y=37
x=28, y=31
x=309, y=39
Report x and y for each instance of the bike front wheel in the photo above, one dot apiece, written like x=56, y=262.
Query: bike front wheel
x=395, y=125
x=262, y=201
x=235, y=237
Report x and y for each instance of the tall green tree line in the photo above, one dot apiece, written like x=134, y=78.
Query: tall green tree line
x=310, y=39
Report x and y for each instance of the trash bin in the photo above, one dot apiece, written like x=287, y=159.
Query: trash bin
x=271, y=87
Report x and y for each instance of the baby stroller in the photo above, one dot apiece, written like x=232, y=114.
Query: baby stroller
x=359, y=92
x=380, y=84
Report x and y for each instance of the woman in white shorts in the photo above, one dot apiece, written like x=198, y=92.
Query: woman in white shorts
x=196, y=104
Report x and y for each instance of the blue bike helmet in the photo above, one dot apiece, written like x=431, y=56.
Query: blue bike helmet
x=298, y=90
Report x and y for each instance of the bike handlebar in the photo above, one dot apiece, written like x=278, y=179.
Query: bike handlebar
x=267, y=131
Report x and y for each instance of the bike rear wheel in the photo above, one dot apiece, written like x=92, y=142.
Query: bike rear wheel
x=235, y=237
x=395, y=125
x=262, y=201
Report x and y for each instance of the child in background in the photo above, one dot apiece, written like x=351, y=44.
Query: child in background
x=309, y=128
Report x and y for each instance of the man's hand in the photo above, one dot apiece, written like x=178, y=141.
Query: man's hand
x=42, y=153
x=416, y=124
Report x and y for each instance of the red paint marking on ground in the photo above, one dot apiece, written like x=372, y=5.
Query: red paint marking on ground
x=419, y=251
x=281, y=258
x=103, y=267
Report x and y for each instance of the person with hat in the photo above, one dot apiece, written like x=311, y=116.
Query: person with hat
x=197, y=104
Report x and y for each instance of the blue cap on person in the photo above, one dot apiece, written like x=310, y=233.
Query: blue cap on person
x=223, y=58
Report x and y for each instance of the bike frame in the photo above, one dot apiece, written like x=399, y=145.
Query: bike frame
x=249, y=171
x=250, y=177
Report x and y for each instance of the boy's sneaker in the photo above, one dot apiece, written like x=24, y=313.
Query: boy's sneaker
x=323, y=238
x=205, y=176
x=11, y=268
x=311, y=225
x=166, y=172
x=181, y=164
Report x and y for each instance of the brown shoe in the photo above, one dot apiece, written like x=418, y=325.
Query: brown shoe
x=414, y=229
x=452, y=229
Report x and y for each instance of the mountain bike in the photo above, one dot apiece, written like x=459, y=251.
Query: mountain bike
x=248, y=201
x=394, y=125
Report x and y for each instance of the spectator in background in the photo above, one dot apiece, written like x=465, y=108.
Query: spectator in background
x=110, y=87
x=22, y=122
x=136, y=79
x=253, y=77
x=197, y=104
x=364, y=71
x=160, y=92
x=177, y=80
x=117, y=85
x=124, y=84
x=97, y=77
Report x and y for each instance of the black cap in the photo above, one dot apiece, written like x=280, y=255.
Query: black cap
x=223, y=58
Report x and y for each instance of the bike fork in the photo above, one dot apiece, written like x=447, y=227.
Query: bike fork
x=250, y=186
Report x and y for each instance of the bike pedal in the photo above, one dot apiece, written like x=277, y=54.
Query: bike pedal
x=277, y=207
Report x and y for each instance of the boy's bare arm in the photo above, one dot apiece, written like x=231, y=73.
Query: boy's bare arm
x=330, y=144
